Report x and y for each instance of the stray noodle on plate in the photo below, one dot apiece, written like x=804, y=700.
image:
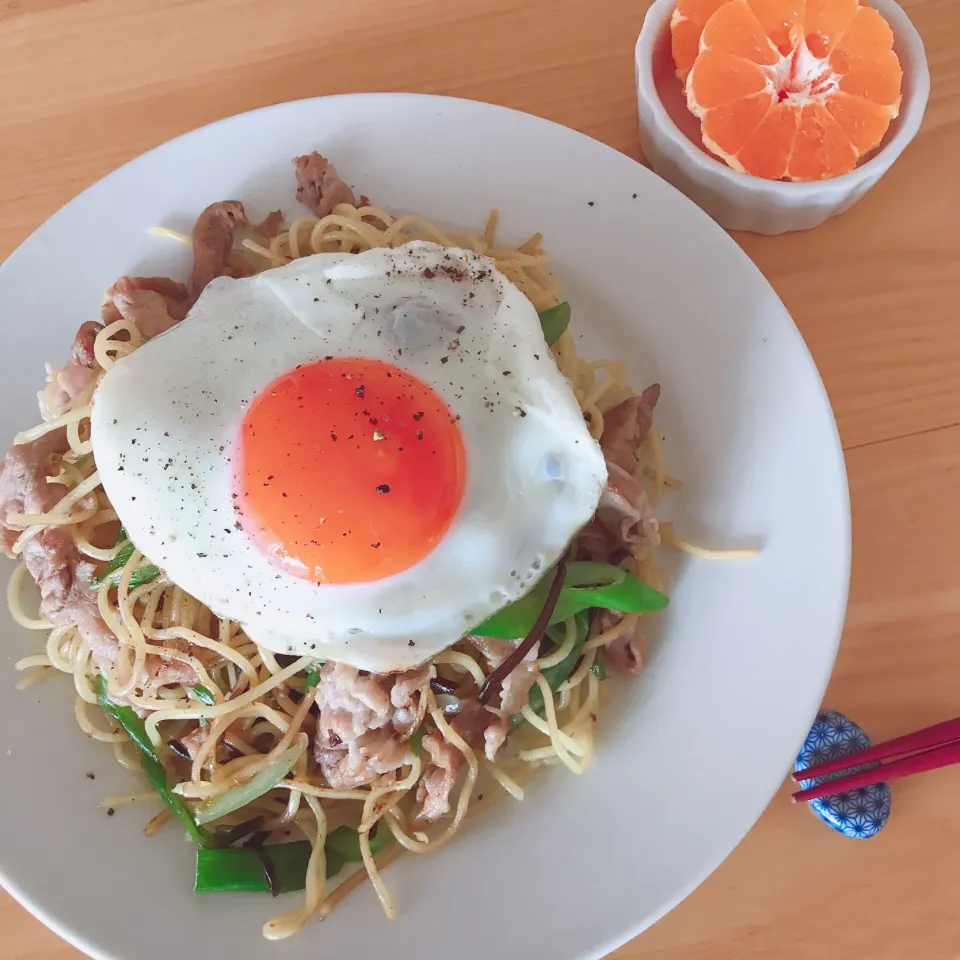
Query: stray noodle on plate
x=247, y=735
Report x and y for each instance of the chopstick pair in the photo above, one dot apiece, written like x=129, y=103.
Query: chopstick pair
x=926, y=749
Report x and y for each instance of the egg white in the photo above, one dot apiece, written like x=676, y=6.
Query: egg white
x=165, y=421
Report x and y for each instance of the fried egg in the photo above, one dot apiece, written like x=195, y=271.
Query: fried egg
x=358, y=457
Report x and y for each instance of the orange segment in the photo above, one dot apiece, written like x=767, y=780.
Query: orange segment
x=766, y=152
x=734, y=29
x=821, y=148
x=877, y=80
x=686, y=25
x=727, y=128
x=719, y=78
x=867, y=33
x=779, y=20
x=790, y=89
x=863, y=121
x=825, y=21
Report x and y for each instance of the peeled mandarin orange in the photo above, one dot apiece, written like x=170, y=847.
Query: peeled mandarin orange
x=686, y=25
x=788, y=89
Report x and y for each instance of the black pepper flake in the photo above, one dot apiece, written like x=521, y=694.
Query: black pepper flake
x=333, y=436
x=361, y=391
x=373, y=421
x=461, y=328
x=316, y=299
x=444, y=359
x=419, y=434
x=589, y=203
x=328, y=358
x=536, y=356
x=202, y=556
x=375, y=545
x=634, y=196
x=110, y=811
x=418, y=415
x=383, y=488
x=507, y=373
x=91, y=776
x=410, y=643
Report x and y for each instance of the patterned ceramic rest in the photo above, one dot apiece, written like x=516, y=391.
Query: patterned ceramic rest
x=861, y=812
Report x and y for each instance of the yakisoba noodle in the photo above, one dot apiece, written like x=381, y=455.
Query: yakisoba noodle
x=259, y=704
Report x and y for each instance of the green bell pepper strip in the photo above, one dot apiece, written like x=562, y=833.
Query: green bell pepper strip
x=586, y=585
x=152, y=766
x=559, y=672
x=599, y=668
x=240, y=869
x=345, y=842
x=313, y=678
x=145, y=574
x=553, y=321
x=257, y=786
x=416, y=741
x=203, y=694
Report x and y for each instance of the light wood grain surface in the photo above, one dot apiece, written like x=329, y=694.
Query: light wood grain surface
x=87, y=84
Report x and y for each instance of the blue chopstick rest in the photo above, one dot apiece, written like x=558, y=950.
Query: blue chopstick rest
x=860, y=813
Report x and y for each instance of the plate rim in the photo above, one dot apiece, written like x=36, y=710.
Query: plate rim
x=74, y=936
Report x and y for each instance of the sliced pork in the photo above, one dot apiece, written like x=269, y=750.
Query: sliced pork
x=152, y=304
x=514, y=691
x=437, y=783
x=365, y=721
x=624, y=653
x=626, y=426
x=625, y=512
x=270, y=226
x=319, y=186
x=213, y=243
x=23, y=481
x=65, y=384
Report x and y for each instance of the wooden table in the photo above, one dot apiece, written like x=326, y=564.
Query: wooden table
x=88, y=84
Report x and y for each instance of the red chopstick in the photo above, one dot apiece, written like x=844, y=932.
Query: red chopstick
x=927, y=749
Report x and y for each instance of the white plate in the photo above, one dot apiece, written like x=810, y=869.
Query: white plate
x=689, y=755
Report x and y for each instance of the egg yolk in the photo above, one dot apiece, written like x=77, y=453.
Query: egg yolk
x=350, y=470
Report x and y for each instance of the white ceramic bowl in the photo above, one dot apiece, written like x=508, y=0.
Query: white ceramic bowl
x=687, y=755
x=670, y=136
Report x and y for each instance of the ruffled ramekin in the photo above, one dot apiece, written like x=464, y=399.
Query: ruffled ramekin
x=670, y=136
